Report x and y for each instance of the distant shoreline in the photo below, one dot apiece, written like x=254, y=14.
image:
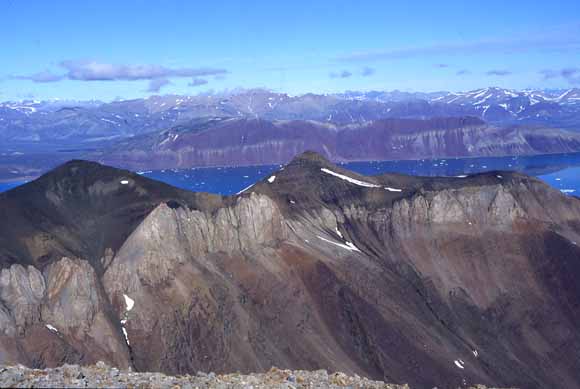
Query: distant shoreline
x=22, y=179
x=27, y=178
x=344, y=161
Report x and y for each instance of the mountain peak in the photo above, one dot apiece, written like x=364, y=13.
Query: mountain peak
x=310, y=157
x=78, y=174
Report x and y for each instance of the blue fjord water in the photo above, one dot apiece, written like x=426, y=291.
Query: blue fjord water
x=6, y=186
x=562, y=171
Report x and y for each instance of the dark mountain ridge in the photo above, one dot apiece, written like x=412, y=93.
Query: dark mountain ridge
x=431, y=281
x=83, y=209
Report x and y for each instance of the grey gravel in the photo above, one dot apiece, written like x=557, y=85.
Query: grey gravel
x=103, y=376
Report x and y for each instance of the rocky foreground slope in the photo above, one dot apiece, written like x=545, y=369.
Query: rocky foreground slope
x=101, y=375
x=445, y=282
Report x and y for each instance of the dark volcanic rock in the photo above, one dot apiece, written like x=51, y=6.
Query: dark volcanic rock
x=441, y=282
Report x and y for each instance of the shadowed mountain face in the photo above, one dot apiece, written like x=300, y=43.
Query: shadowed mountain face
x=431, y=281
x=227, y=142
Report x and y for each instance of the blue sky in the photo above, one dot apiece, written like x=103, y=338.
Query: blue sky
x=125, y=49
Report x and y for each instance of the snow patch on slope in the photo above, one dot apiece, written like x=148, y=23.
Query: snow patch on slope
x=357, y=182
x=51, y=328
x=350, y=179
x=129, y=302
x=245, y=189
x=126, y=336
x=347, y=245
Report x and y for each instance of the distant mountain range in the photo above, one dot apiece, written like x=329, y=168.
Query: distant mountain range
x=95, y=122
x=262, y=127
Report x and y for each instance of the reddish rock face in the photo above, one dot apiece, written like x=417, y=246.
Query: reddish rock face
x=430, y=281
x=227, y=142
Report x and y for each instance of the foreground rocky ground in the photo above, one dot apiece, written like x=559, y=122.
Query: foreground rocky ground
x=101, y=375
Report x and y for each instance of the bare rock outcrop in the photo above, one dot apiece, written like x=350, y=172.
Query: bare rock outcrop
x=65, y=304
x=21, y=291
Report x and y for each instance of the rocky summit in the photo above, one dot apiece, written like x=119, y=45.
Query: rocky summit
x=431, y=282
